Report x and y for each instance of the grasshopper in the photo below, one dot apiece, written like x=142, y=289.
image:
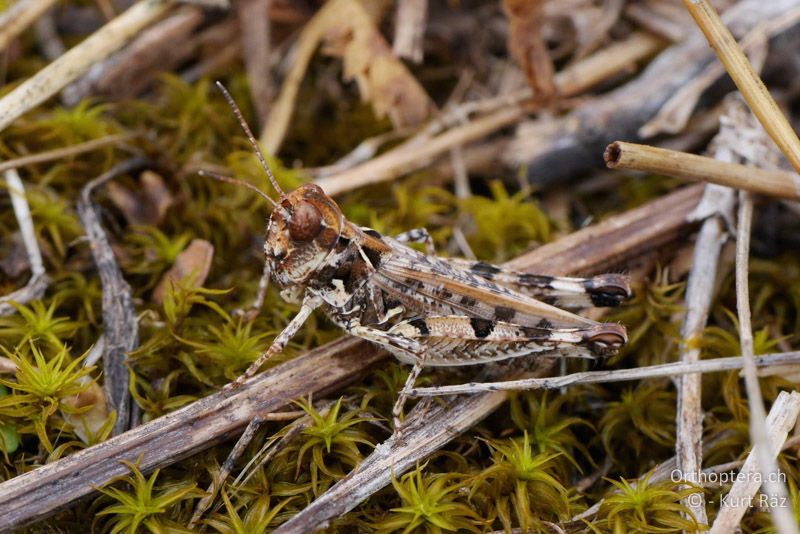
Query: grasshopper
x=424, y=309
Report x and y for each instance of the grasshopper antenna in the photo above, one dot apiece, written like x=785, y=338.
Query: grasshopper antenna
x=251, y=138
x=228, y=179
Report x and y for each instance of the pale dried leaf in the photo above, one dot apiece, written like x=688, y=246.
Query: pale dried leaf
x=90, y=422
x=194, y=262
x=7, y=366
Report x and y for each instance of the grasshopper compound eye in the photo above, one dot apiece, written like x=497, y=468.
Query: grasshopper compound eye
x=305, y=222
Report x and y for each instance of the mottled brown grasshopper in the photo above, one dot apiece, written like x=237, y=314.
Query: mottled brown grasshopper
x=424, y=309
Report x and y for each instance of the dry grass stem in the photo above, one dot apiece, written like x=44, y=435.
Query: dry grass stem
x=254, y=23
x=419, y=151
x=607, y=62
x=66, y=152
x=268, y=451
x=18, y=17
x=79, y=59
x=409, y=29
x=39, y=280
x=763, y=455
x=776, y=183
x=782, y=418
x=749, y=83
x=699, y=295
x=224, y=471
x=412, y=155
x=616, y=375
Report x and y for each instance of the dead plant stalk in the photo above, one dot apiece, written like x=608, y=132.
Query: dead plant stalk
x=632, y=156
x=418, y=151
x=749, y=83
x=616, y=375
x=764, y=460
x=19, y=17
x=79, y=59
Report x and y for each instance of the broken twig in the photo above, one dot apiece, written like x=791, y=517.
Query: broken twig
x=772, y=182
x=121, y=333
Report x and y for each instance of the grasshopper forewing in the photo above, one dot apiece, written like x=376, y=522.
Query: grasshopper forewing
x=424, y=309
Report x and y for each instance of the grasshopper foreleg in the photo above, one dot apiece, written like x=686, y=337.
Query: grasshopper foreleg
x=310, y=303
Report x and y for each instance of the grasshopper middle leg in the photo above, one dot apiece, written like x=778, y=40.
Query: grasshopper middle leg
x=407, y=350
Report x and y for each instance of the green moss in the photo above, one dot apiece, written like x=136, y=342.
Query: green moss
x=518, y=473
x=9, y=437
x=646, y=507
x=41, y=386
x=429, y=503
x=330, y=445
x=642, y=418
x=144, y=505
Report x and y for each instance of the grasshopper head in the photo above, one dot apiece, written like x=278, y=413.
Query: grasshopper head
x=304, y=226
x=303, y=229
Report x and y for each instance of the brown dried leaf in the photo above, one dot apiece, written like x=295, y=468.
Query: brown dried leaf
x=13, y=255
x=147, y=207
x=579, y=27
x=194, y=261
x=527, y=46
x=347, y=30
